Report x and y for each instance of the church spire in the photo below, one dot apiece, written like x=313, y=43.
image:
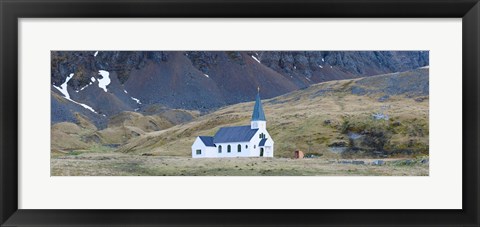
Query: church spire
x=258, y=114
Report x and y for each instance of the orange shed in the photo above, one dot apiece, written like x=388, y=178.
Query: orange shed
x=298, y=154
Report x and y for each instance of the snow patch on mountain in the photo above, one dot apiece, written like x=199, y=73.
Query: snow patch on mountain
x=64, y=91
x=81, y=89
x=63, y=87
x=95, y=54
x=256, y=59
x=83, y=105
x=136, y=100
x=105, y=81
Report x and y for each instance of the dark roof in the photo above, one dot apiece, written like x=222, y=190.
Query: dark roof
x=207, y=140
x=234, y=134
x=258, y=114
x=262, y=142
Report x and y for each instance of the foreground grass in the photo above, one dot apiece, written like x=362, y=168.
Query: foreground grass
x=115, y=164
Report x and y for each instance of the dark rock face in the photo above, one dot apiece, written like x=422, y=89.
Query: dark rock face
x=203, y=60
x=301, y=64
x=60, y=111
x=206, y=80
x=85, y=64
x=320, y=66
x=64, y=110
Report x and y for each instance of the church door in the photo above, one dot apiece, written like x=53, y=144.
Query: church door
x=261, y=152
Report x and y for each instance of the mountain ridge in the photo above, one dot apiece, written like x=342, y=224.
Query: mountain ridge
x=201, y=80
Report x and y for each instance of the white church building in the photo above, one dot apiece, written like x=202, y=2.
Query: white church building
x=238, y=141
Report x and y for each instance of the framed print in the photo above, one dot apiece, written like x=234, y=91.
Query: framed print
x=207, y=112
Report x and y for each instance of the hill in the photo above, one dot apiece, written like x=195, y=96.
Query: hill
x=67, y=137
x=378, y=116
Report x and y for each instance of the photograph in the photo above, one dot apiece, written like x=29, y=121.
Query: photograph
x=239, y=113
x=209, y=113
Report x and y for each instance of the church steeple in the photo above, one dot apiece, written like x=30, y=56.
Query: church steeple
x=258, y=116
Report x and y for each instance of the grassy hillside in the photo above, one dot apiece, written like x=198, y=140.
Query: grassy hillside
x=83, y=136
x=380, y=116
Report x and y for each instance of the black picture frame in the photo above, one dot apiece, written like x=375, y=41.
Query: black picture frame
x=12, y=10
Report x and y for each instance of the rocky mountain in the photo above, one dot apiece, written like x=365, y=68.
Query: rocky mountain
x=378, y=116
x=101, y=84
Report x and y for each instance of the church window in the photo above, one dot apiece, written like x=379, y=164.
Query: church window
x=254, y=146
x=229, y=148
x=199, y=152
x=220, y=149
x=246, y=146
x=261, y=136
x=239, y=148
